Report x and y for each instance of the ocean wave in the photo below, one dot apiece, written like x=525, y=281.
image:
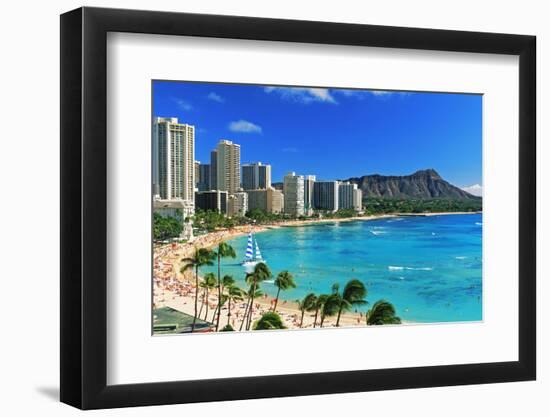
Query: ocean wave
x=377, y=232
x=409, y=268
x=460, y=257
x=479, y=224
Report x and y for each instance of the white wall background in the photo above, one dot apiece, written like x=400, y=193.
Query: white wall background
x=29, y=221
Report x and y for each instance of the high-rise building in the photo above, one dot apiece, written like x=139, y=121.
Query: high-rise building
x=346, y=194
x=197, y=172
x=237, y=204
x=358, y=199
x=275, y=201
x=229, y=166
x=211, y=201
x=213, y=170
x=256, y=176
x=203, y=184
x=173, y=159
x=309, y=180
x=293, y=190
x=269, y=200
x=325, y=195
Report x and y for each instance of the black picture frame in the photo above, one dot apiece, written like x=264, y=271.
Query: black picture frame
x=84, y=207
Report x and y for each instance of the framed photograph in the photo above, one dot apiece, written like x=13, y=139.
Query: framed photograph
x=257, y=208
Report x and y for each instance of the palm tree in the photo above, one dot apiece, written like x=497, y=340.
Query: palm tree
x=208, y=283
x=284, y=281
x=319, y=303
x=353, y=295
x=331, y=306
x=224, y=300
x=234, y=294
x=251, y=295
x=307, y=304
x=227, y=281
x=382, y=312
x=201, y=257
x=225, y=250
x=261, y=273
x=269, y=321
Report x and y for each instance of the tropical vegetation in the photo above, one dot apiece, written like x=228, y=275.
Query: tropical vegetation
x=269, y=321
x=201, y=257
x=382, y=312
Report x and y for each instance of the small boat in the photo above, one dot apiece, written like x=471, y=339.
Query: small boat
x=250, y=259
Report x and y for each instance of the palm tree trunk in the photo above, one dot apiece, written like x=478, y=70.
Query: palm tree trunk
x=322, y=320
x=251, y=311
x=245, y=314
x=229, y=309
x=315, y=319
x=215, y=313
x=276, y=299
x=202, y=305
x=339, y=314
x=302, y=319
x=196, y=298
x=219, y=290
x=206, y=313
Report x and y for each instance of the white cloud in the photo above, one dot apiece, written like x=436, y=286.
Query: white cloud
x=303, y=95
x=244, y=126
x=183, y=104
x=215, y=97
x=475, y=189
x=380, y=94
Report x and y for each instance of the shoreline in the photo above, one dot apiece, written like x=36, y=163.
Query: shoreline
x=178, y=290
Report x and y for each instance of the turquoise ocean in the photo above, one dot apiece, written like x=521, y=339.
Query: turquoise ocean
x=429, y=267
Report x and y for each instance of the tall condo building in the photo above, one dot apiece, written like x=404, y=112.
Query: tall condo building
x=237, y=204
x=269, y=200
x=309, y=180
x=325, y=195
x=203, y=183
x=358, y=199
x=293, y=191
x=173, y=159
x=197, y=171
x=256, y=176
x=229, y=166
x=213, y=170
x=346, y=194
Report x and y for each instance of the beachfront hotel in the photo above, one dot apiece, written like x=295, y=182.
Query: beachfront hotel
x=173, y=159
x=203, y=181
x=228, y=166
x=213, y=170
x=325, y=195
x=256, y=176
x=347, y=194
x=293, y=191
x=237, y=204
x=269, y=200
x=309, y=180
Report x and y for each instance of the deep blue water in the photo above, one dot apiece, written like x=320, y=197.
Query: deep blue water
x=430, y=268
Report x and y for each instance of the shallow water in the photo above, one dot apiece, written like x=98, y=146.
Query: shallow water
x=428, y=267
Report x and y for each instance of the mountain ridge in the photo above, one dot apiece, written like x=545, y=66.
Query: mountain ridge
x=422, y=184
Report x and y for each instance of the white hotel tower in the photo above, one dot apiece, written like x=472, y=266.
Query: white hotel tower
x=173, y=159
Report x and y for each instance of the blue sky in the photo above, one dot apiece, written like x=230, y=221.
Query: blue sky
x=332, y=133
